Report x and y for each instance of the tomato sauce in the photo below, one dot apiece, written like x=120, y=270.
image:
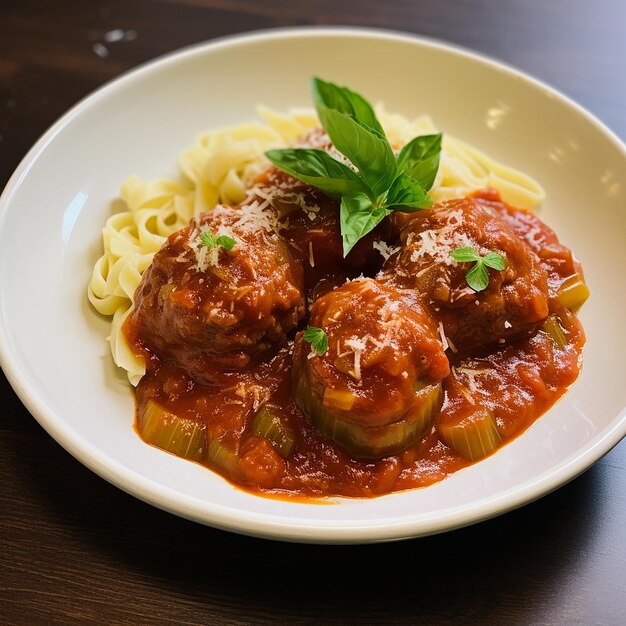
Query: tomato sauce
x=516, y=381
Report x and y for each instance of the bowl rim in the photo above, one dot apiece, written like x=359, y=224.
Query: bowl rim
x=283, y=527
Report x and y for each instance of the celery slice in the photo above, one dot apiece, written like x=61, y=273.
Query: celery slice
x=573, y=293
x=553, y=328
x=180, y=436
x=474, y=437
x=221, y=457
x=370, y=442
x=270, y=423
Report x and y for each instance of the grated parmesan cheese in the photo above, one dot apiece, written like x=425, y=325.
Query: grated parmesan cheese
x=282, y=192
x=439, y=242
x=444, y=339
x=470, y=374
x=358, y=347
x=321, y=141
x=256, y=393
x=384, y=248
x=205, y=257
x=452, y=346
x=254, y=216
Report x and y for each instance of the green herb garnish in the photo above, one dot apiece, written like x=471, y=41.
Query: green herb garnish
x=213, y=241
x=477, y=276
x=317, y=338
x=382, y=182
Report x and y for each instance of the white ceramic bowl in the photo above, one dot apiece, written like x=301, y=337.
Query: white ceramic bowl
x=52, y=345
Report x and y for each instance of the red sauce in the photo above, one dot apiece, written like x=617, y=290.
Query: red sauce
x=517, y=380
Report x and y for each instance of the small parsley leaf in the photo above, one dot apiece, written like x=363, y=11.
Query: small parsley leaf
x=213, y=241
x=477, y=276
x=317, y=338
x=494, y=260
x=465, y=255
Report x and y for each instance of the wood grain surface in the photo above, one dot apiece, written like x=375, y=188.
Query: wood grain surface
x=76, y=550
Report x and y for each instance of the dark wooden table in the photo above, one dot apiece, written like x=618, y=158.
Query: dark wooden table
x=75, y=550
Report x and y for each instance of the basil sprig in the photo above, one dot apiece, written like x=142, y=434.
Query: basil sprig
x=382, y=182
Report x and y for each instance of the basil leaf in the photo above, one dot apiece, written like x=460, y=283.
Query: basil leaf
x=358, y=217
x=345, y=100
x=478, y=276
x=420, y=159
x=381, y=183
x=465, y=255
x=406, y=192
x=317, y=168
x=369, y=151
x=495, y=260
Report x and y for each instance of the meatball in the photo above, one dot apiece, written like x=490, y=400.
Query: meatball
x=309, y=222
x=377, y=387
x=566, y=281
x=209, y=307
x=515, y=301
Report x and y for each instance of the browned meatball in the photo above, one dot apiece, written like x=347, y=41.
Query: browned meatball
x=558, y=260
x=515, y=301
x=211, y=308
x=377, y=387
x=309, y=222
